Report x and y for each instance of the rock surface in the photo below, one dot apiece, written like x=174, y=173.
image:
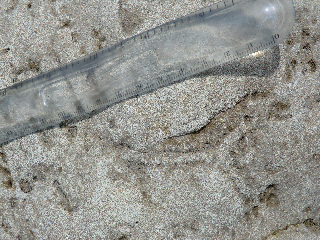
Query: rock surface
x=233, y=153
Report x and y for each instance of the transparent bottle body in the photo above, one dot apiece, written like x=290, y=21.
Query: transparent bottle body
x=156, y=58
